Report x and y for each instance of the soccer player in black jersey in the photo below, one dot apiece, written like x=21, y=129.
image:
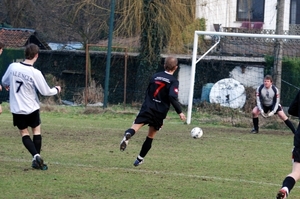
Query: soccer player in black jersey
x=1, y=50
x=267, y=100
x=162, y=91
x=291, y=179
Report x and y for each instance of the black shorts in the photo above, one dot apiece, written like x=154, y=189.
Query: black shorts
x=296, y=154
x=269, y=108
x=23, y=121
x=152, y=118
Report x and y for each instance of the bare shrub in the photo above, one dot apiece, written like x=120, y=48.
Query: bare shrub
x=94, y=93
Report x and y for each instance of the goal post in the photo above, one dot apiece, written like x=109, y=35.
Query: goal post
x=217, y=36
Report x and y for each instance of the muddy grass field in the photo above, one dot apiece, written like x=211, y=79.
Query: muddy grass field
x=81, y=148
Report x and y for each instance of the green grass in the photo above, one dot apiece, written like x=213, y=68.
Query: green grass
x=82, y=152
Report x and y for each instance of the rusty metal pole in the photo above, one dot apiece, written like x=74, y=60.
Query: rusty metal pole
x=125, y=77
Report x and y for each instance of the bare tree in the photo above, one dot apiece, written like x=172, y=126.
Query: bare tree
x=20, y=13
x=86, y=21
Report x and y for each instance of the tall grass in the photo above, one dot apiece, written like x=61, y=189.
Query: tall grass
x=81, y=148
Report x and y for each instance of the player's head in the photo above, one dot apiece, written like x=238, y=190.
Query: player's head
x=268, y=81
x=2, y=45
x=170, y=63
x=31, y=50
x=268, y=77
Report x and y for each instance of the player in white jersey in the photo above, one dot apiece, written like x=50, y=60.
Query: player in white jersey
x=267, y=104
x=23, y=81
x=1, y=50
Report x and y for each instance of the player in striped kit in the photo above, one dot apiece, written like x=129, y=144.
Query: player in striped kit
x=23, y=81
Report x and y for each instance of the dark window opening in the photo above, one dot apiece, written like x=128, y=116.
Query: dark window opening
x=250, y=10
x=295, y=12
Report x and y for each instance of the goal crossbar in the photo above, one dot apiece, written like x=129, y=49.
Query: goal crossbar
x=219, y=34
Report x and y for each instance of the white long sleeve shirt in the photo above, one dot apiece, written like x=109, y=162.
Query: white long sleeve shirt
x=24, y=81
x=267, y=97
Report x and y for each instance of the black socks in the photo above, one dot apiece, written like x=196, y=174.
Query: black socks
x=290, y=125
x=131, y=131
x=146, y=147
x=255, y=123
x=29, y=145
x=289, y=182
x=37, y=141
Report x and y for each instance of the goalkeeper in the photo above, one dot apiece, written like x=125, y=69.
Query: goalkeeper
x=267, y=104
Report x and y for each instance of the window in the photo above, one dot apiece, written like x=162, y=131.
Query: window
x=250, y=10
x=295, y=12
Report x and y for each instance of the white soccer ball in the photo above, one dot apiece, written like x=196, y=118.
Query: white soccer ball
x=196, y=132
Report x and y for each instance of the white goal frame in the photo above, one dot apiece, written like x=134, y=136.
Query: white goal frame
x=218, y=36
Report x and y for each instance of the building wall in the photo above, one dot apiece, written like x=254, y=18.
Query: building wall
x=224, y=12
x=248, y=76
x=184, y=85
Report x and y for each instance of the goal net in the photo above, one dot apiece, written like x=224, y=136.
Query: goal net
x=225, y=65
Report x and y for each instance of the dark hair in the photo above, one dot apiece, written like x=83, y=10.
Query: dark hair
x=2, y=45
x=269, y=77
x=170, y=63
x=31, y=50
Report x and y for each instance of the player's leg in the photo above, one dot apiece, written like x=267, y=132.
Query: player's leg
x=38, y=162
x=141, y=119
x=27, y=142
x=37, y=138
x=286, y=120
x=34, y=122
x=291, y=179
x=255, y=113
x=146, y=146
x=21, y=122
x=128, y=134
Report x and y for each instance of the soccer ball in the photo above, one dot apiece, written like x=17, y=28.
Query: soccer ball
x=196, y=132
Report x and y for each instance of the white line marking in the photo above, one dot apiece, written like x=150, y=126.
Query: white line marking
x=152, y=172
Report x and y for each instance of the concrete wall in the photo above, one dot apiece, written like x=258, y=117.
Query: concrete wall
x=249, y=76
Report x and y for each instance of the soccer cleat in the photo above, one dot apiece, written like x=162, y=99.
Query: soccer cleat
x=254, y=131
x=39, y=163
x=281, y=194
x=137, y=162
x=35, y=165
x=45, y=167
x=125, y=141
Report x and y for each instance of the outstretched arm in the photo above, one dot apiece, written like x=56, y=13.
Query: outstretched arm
x=42, y=86
x=177, y=107
x=182, y=116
